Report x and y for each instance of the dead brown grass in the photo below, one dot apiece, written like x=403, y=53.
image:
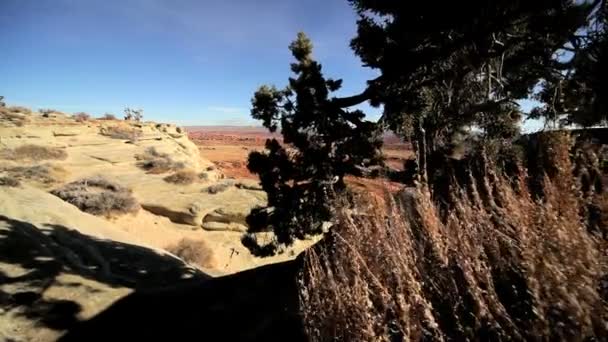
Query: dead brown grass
x=17, y=116
x=219, y=187
x=156, y=162
x=9, y=181
x=33, y=152
x=81, y=117
x=501, y=265
x=121, y=132
x=98, y=196
x=108, y=116
x=193, y=251
x=182, y=177
x=45, y=174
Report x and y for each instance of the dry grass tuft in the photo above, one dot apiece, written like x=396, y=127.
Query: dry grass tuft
x=33, y=152
x=156, y=162
x=108, y=116
x=182, y=177
x=195, y=252
x=9, y=181
x=45, y=174
x=218, y=187
x=502, y=264
x=81, y=117
x=98, y=196
x=17, y=116
x=121, y=132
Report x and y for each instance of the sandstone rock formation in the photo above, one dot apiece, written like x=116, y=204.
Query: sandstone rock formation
x=60, y=265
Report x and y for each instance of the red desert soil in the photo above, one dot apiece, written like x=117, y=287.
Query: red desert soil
x=229, y=146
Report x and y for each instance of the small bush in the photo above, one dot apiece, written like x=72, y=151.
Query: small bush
x=47, y=112
x=195, y=252
x=19, y=109
x=156, y=162
x=121, y=132
x=45, y=174
x=16, y=118
x=98, y=196
x=33, y=152
x=108, y=116
x=81, y=117
x=219, y=187
x=182, y=177
x=9, y=181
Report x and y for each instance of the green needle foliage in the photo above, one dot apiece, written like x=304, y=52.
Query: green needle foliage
x=322, y=143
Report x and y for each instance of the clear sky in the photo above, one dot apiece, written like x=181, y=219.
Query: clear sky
x=183, y=61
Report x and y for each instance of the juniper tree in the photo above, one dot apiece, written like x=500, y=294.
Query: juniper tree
x=322, y=143
x=454, y=65
x=575, y=92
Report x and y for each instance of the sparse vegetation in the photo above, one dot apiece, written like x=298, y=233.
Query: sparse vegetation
x=9, y=181
x=121, y=132
x=182, y=177
x=19, y=109
x=156, y=162
x=108, y=116
x=134, y=114
x=46, y=112
x=98, y=196
x=219, y=187
x=45, y=174
x=33, y=152
x=18, y=116
x=81, y=117
x=195, y=252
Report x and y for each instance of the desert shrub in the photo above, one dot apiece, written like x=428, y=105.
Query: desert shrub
x=81, y=117
x=9, y=181
x=248, y=186
x=16, y=118
x=98, y=196
x=133, y=114
x=45, y=174
x=182, y=177
x=156, y=162
x=121, y=132
x=500, y=265
x=195, y=252
x=19, y=109
x=218, y=187
x=33, y=152
x=46, y=112
x=108, y=116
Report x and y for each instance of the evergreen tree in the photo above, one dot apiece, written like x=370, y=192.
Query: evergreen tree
x=575, y=93
x=458, y=64
x=322, y=143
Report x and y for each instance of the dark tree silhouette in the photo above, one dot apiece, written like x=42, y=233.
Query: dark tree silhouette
x=322, y=142
x=459, y=64
x=133, y=114
x=575, y=93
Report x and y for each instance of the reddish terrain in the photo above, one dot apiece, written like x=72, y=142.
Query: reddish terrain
x=229, y=146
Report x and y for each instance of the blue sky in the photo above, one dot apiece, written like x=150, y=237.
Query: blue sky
x=183, y=61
